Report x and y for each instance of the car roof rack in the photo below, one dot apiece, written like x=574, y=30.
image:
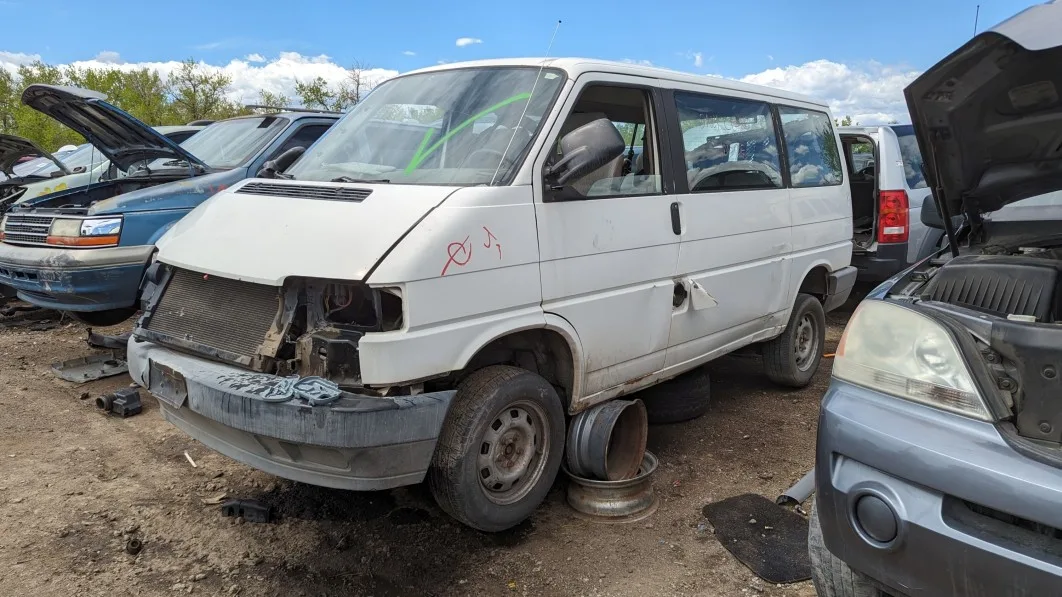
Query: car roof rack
x=289, y=109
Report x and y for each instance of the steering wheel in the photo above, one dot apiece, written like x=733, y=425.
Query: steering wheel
x=485, y=150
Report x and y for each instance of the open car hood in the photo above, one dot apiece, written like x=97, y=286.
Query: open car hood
x=13, y=149
x=989, y=116
x=120, y=137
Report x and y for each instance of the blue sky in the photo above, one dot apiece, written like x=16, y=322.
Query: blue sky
x=874, y=40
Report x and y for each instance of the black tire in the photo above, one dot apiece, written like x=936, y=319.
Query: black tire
x=498, y=408
x=681, y=399
x=832, y=577
x=792, y=359
x=104, y=318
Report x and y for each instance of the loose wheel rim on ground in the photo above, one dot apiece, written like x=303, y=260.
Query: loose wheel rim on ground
x=512, y=452
x=806, y=342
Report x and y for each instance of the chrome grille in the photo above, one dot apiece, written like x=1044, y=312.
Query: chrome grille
x=226, y=315
x=30, y=230
x=302, y=191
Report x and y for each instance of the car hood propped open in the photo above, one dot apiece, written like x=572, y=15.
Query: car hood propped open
x=989, y=116
x=120, y=137
x=13, y=149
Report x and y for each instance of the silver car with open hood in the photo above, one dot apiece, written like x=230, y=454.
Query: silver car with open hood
x=939, y=460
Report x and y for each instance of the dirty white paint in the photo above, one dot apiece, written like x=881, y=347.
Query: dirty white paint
x=475, y=264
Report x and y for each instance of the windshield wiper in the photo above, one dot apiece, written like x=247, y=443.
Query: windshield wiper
x=352, y=179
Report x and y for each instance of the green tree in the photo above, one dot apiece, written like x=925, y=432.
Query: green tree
x=846, y=121
x=275, y=100
x=196, y=93
x=29, y=123
x=315, y=94
x=8, y=101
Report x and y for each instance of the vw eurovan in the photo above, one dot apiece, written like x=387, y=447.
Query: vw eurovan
x=475, y=252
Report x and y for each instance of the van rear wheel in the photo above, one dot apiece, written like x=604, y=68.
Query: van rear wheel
x=500, y=448
x=792, y=359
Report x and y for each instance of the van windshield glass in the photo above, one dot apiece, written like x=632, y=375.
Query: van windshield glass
x=468, y=126
x=229, y=143
x=84, y=158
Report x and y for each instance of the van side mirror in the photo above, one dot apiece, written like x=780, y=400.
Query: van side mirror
x=931, y=214
x=584, y=150
x=280, y=163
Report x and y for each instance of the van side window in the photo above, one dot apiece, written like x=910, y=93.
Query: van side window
x=729, y=143
x=811, y=146
x=637, y=170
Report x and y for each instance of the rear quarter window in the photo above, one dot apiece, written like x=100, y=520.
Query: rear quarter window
x=811, y=145
x=911, y=156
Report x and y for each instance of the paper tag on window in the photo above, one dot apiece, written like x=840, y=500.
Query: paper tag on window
x=735, y=150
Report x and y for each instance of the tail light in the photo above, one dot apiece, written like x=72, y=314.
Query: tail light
x=893, y=217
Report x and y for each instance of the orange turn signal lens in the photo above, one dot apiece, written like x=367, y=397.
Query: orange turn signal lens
x=83, y=241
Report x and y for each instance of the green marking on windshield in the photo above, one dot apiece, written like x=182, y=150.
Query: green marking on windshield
x=422, y=154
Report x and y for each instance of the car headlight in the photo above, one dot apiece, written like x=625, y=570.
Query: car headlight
x=901, y=352
x=89, y=232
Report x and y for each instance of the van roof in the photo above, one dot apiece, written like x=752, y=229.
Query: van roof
x=577, y=66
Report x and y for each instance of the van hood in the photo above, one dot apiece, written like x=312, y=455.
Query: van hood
x=988, y=116
x=13, y=149
x=119, y=136
x=264, y=231
x=181, y=194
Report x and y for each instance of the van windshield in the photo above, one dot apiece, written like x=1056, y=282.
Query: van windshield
x=229, y=143
x=469, y=126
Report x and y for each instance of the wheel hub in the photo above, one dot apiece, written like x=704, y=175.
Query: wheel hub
x=510, y=453
x=805, y=344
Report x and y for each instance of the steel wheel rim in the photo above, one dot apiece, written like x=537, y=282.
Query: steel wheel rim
x=512, y=453
x=806, y=341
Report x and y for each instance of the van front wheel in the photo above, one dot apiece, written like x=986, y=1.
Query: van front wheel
x=499, y=450
x=792, y=359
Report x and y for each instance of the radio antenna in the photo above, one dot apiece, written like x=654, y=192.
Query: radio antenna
x=527, y=105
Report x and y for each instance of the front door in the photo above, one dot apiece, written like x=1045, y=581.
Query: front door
x=608, y=242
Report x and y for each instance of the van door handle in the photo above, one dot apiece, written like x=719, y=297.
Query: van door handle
x=676, y=219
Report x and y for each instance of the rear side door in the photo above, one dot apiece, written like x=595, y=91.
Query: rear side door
x=608, y=242
x=734, y=208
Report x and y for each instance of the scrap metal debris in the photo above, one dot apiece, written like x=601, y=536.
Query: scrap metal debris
x=91, y=368
x=20, y=314
x=118, y=342
x=123, y=403
x=189, y=458
x=249, y=510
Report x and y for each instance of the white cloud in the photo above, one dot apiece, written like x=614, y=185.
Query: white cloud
x=698, y=59
x=109, y=57
x=277, y=75
x=467, y=41
x=12, y=60
x=639, y=62
x=409, y=53
x=255, y=57
x=870, y=93
x=770, y=58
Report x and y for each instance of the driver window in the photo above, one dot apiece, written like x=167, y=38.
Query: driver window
x=637, y=170
x=730, y=144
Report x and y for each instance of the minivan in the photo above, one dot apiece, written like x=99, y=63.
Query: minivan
x=478, y=250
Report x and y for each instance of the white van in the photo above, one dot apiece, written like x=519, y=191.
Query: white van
x=478, y=250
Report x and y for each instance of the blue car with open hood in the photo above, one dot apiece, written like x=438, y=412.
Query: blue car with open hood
x=85, y=251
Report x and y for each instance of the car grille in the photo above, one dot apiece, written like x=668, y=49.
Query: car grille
x=301, y=191
x=199, y=310
x=30, y=230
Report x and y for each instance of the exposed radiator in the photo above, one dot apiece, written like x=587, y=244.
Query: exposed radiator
x=216, y=312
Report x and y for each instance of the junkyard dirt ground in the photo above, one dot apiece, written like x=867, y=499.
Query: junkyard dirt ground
x=75, y=485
